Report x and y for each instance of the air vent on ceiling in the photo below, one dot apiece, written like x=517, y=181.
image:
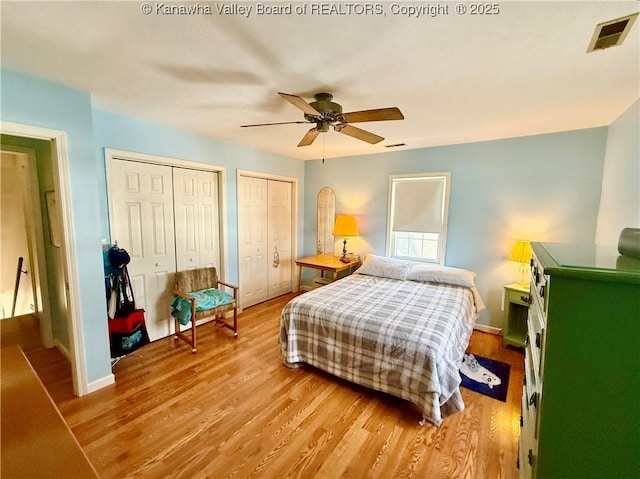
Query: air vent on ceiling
x=611, y=33
x=395, y=145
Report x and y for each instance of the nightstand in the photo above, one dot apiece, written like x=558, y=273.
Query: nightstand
x=326, y=263
x=516, y=306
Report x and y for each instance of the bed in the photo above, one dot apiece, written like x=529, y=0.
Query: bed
x=394, y=326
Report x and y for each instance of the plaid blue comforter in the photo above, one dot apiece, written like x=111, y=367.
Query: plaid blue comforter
x=405, y=338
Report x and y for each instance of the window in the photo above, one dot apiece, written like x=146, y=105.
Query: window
x=417, y=222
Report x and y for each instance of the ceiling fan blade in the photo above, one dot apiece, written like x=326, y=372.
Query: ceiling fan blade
x=381, y=114
x=299, y=102
x=278, y=123
x=358, y=133
x=307, y=139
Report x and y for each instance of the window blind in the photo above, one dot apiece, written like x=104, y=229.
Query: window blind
x=418, y=205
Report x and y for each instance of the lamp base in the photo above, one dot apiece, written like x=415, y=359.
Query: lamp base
x=344, y=252
x=344, y=259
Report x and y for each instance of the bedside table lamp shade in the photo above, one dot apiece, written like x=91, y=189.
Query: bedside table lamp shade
x=521, y=253
x=345, y=226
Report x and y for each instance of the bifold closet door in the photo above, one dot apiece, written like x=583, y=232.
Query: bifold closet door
x=264, y=232
x=252, y=240
x=142, y=223
x=196, y=219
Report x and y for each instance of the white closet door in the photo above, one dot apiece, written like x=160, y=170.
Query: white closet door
x=142, y=223
x=252, y=240
x=209, y=219
x=279, y=219
x=196, y=219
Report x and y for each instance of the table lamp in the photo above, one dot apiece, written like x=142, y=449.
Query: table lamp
x=521, y=253
x=345, y=226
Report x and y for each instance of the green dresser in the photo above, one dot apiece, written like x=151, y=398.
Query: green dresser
x=581, y=398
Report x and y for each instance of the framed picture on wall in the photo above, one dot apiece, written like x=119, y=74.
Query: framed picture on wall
x=53, y=215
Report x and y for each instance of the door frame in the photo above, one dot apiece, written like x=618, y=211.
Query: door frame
x=294, y=213
x=62, y=184
x=111, y=155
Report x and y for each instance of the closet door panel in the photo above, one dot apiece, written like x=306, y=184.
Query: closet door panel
x=185, y=197
x=141, y=200
x=209, y=219
x=252, y=234
x=279, y=218
x=197, y=219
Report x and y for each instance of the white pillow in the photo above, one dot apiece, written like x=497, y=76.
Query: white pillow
x=384, y=267
x=434, y=273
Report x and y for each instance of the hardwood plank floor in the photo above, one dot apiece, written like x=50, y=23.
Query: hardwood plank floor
x=233, y=410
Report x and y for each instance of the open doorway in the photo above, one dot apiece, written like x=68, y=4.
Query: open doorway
x=42, y=153
x=24, y=280
x=16, y=285
x=19, y=308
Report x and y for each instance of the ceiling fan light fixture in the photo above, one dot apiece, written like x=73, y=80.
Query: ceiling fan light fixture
x=322, y=126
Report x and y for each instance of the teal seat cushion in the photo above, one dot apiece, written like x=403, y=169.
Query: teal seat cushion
x=205, y=300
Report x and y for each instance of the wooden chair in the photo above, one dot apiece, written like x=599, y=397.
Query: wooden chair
x=187, y=282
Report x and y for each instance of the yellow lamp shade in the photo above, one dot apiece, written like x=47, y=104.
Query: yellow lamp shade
x=345, y=226
x=521, y=252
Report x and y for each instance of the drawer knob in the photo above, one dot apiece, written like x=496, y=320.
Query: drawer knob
x=541, y=293
x=537, y=340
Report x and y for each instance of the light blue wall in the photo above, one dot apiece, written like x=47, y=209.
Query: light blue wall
x=32, y=101
x=120, y=132
x=620, y=203
x=541, y=188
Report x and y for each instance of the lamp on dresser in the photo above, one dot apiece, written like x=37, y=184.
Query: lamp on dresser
x=345, y=225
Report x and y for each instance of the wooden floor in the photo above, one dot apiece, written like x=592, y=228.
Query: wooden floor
x=233, y=410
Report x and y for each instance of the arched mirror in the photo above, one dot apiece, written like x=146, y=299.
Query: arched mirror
x=326, y=217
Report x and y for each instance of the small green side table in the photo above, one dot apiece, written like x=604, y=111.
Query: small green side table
x=516, y=308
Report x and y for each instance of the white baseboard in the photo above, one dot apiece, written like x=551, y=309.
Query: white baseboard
x=487, y=329
x=101, y=383
x=94, y=385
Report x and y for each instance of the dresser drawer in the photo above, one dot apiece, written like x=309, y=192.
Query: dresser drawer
x=536, y=337
x=532, y=391
x=527, y=445
x=539, y=285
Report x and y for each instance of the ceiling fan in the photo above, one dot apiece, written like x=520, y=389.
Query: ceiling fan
x=326, y=113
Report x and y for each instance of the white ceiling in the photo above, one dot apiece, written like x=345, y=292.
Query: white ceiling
x=457, y=78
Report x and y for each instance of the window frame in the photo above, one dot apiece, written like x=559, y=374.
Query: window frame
x=442, y=243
